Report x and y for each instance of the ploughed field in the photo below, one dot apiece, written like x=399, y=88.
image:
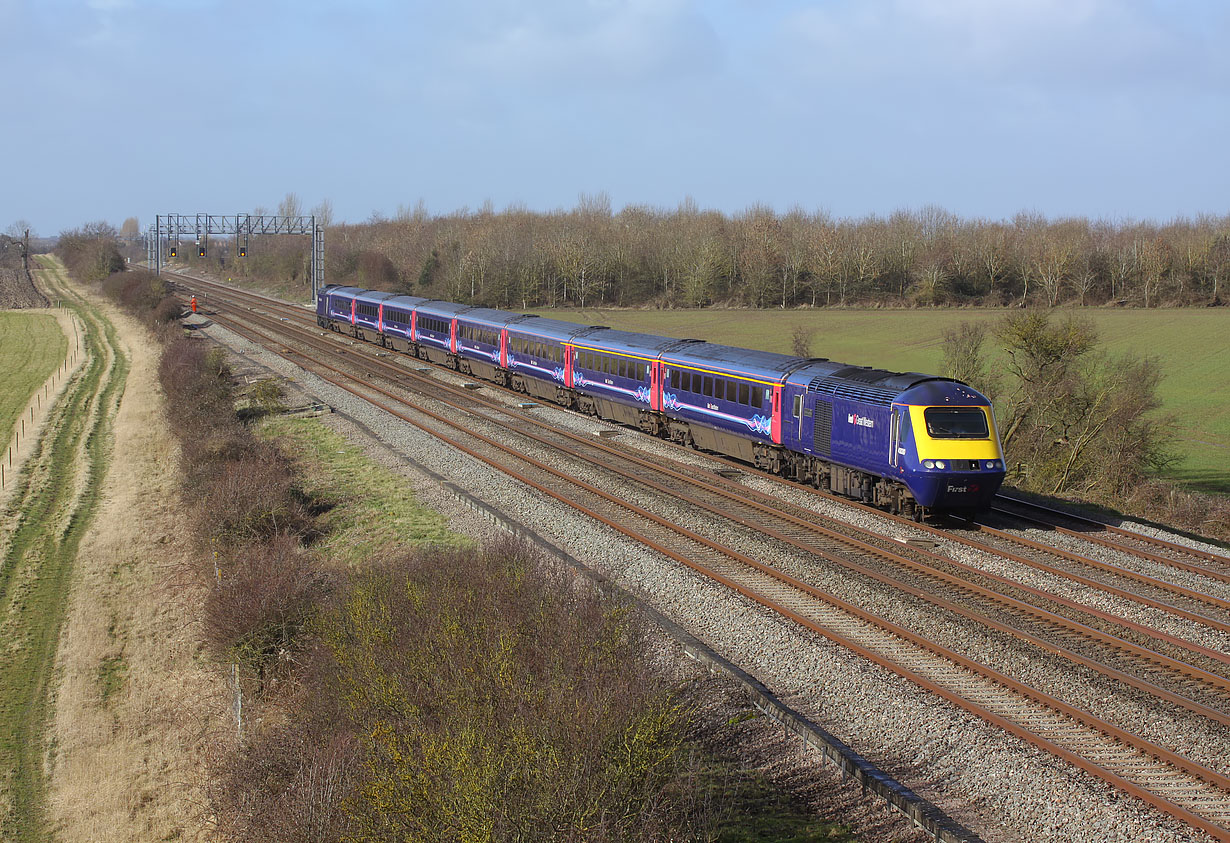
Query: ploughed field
x=1191, y=343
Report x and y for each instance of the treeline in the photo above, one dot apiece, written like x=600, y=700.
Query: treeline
x=438, y=695
x=590, y=257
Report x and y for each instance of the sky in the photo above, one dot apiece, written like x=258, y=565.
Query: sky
x=1108, y=109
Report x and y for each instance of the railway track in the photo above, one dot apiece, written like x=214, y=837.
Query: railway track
x=1187, y=674
x=1206, y=563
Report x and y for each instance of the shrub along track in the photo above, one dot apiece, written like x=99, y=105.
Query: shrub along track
x=46, y=518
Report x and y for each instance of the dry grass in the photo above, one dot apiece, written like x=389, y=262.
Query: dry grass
x=134, y=704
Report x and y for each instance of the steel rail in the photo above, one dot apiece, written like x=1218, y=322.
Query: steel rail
x=1057, y=571
x=1089, y=721
x=307, y=317
x=1202, y=570
x=1043, y=615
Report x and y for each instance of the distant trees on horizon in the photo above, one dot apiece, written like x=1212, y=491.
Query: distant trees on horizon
x=640, y=256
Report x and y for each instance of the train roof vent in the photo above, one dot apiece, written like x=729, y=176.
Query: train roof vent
x=905, y=381
x=855, y=383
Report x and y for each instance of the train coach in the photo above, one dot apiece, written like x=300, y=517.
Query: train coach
x=907, y=442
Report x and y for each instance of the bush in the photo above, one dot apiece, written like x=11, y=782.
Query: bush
x=260, y=601
x=247, y=496
x=469, y=695
x=498, y=701
x=91, y=253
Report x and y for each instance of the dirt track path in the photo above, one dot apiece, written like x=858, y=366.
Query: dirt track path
x=40, y=530
x=102, y=700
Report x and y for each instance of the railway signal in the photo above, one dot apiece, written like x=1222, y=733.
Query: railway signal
x=200, y=251
x=174, y=251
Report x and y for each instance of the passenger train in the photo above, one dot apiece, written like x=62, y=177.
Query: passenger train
x=910, y=443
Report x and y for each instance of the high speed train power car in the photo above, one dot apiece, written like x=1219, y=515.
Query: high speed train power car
x=910, y=443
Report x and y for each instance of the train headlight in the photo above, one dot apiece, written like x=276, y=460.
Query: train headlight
x=928, y=463
x=940, y=464
x=992, y=463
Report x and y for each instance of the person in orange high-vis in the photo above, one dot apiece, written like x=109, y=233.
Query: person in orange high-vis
x=194, y=304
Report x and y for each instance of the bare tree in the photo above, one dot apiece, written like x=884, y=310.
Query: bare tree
x=18, y=229
x=800, y=340
x=964, y=358
x=323, y=213
x=1219, y=262
x=290, y=206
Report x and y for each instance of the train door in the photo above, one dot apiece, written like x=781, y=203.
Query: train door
x=776, y=399
x=655, y=385
x=896, y=431
x=452, y=335
x=503, y=348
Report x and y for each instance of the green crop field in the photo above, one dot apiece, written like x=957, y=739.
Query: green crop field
x=1192, y=344
x=32, y=346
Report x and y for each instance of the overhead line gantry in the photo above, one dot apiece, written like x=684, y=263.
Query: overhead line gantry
x=172, y=228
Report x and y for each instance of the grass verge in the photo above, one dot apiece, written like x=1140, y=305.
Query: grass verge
x=46, y=520
x=368, y=509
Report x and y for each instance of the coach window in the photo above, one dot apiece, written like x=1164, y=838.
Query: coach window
x=708, y=386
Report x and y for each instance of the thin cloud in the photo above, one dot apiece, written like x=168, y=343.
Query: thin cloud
x=612, y=42
x=1083, y=44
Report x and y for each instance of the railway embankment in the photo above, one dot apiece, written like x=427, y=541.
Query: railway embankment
x=279, y=629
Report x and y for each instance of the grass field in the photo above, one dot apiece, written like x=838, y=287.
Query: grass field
x=1193, y=345
x=32, y=346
